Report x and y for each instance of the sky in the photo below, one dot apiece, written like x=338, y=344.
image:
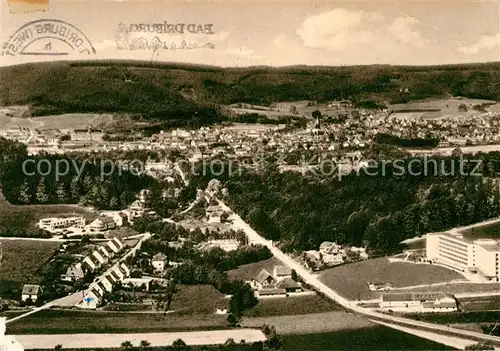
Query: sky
x=248, y=33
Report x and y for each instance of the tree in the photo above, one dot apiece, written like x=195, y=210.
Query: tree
x=75, y=188
x=61, y=193
x=294, y=275
x=145, y=344
x=41, y=192
x=462, y=108
x=179, y=344
x=114, y=204
x=25, y=193
x=58, y=347
x=126, y=345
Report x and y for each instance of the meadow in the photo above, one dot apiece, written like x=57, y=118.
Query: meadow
x=291, y=306
x=369, y=338
x=351, y=280
x=62, y=122
x=77, y=322
x=23, y=258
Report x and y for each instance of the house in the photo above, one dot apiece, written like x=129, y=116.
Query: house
x=104, y=253
x=30, y=292
x=331, y=253
x=213, y=214
x=108, y=286
x=90, y=263
x=271, y=292
x=221, y=311
x=289, y=285
x=73, y=273
x=225, y=244
x=423, y=301
x=120, y=217
x=264, y=280
x=55, y=223
x=90, y=300
x=102, y=223
x=99, y=257
x=115, y=245
x=280, y=272
x=380, y=286
x=158, y=261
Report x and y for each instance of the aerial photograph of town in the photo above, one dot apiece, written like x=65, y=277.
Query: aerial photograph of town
x=249, y=176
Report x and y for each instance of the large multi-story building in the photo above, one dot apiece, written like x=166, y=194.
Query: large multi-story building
x=479, y=256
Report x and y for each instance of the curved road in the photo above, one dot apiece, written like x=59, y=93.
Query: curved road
x=311, y=279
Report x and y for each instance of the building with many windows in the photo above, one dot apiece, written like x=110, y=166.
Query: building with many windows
x=480, y=256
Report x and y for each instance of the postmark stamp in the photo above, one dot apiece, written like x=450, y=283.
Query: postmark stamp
x=48, y=37
x=147, y=37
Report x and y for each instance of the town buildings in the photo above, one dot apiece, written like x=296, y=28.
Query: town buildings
x=418, y=301
x=480, y=256
x=57, y=223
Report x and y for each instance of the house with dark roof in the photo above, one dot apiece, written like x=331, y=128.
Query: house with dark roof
x=158, y=261
x=264, y=280
x=289, y=285
x=282, y=272
x=73, y=273
x=30, y=292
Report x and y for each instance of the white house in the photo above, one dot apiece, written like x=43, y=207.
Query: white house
x=115, y=245
x=101, y=224
x=331, y=253
x=213, y=214
x=421, y=301
x=30, y=292
x=104, y=253
x=107, y=284
x=98, y=257
x=225, y=244
x=56, y=223
x=158, y=261
x=90, y=263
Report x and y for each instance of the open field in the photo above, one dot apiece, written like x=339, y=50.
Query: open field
x=249, y=271
x=198, y=299
x=445, y=107
x=289, y=306
x=350, y=280
x=77, y=322
x=13, y=216
x=22, y=258
x=369, y=338
x=62, y=122
x=309, y=323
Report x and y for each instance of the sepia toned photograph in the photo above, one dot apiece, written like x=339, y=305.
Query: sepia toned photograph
x=249, y=175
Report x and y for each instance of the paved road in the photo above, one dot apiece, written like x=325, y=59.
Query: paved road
x=77, y=341
x=311, y=279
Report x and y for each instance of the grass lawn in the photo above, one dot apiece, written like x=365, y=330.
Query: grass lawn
x=289, y=306
x=198, y=299
x=372, y=338
x=249, y=271
x=12, y=216
x=77, y=322
x=309, y=323
x=22, y=258
x=350, y=280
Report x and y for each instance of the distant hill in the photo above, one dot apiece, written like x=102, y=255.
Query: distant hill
x=169, y=91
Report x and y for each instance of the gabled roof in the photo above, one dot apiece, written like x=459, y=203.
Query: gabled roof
x=281, y=271
x=159, y=257
x=263, y=276
x=287, y=283
x=115, y=276
x=29, y=289
x=74, y=271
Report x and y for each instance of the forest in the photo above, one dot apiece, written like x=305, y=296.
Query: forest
x=377, y=208
x=88, y=187
x=179, y=93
